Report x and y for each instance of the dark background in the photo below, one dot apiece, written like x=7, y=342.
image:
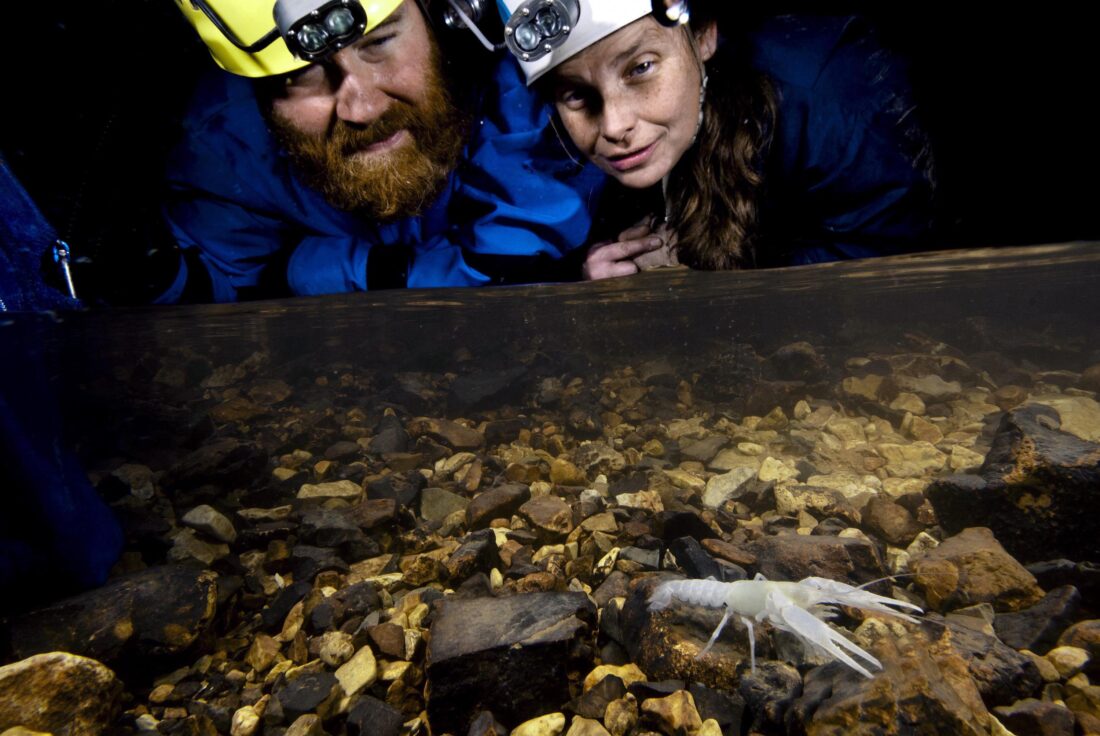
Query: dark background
x=93, y=93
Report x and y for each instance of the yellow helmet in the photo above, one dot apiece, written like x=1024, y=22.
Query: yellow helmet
x=254, y=39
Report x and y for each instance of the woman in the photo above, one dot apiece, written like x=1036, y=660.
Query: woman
x=794, y=144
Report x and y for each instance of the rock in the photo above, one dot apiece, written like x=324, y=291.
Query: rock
x=486, y=387
x=360, y=671
x=437, y=504
x=627, y=674
x=343, y=450
x=389, y=437
x=371, y=717
x=211, y=523
x=551, y=517
x=1037, y=628
x=1035, y=480
x=930, y=387
x=621, y=715
x=693, y=559
x=790, y=499
x=157, y=612
x=911, y=403
x=722, y=488
x=138, y=478
x=453, y=435
x=964, y=460
x=593, y=702
x=890, y=521
x=186, y=547
x=510, y=655
x=58, y=693
x=246, y=720
x=1001, y=673
x=794, y=557
x=373, y=513
x=550, y=724
x=334, y=489
x=916, y=460
x=729, y=552
x=643, y=500
x=309, y=693
x=586, y=727
x=971, y=567
x=262, y=652
x=486, y=724
x=798, y=361
x=1085, y=635
x=665, y=644
x=674, y=715
x=924, y=686
x=772, y=470
x=721, y=708
x=478, y=553
x=769, y=693
x=336, y=648
x=1079, y=415
x=1068, y=660
x=704, y=450
x=307, y=725
x=329, y=527
x=223, y=462
x=500, y=502
x=1032, y=717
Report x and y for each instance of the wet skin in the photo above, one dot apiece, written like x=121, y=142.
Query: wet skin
x=630, y=102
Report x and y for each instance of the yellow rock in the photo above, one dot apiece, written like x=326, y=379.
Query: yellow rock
x=586, y=727
x=628, y=673
x=675, y=715
x=550, y=724
x=359, y=672
x=621, y=715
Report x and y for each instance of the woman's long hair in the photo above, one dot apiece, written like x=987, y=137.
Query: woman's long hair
x=713, y=196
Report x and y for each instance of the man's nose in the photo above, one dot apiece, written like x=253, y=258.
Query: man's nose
x=360, y=98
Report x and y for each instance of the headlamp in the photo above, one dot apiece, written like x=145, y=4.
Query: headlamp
x=311, y=29
x=537, y=27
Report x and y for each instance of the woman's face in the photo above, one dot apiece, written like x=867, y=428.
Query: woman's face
x=631, y=101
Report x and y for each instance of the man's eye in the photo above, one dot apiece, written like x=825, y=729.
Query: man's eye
x=379, y=42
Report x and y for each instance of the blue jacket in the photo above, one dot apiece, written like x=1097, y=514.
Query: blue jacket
x=515, y=205
x=849, y=173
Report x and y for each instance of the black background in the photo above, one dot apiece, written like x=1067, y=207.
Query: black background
x=93, y=93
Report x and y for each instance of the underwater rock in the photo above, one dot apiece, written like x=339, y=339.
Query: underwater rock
x=59, y=693
x=1030, y=491
x=794, y=557
x=154, y=613
x=1037, y=628
x=211, y=523
x=768, y=694
x=451, y=434
x=891, y=521
x=436, y=504
x=586, y=727
x=675, y=714
x=1001, y=673
x=1085, y=635
x=389, y=437
x=485, y=387
x=972, y=567
x=593, y=703
x=486, y=724
x=798, y=361
x=665, y=643
x=223, y=462
x=1033, y=717
x=551, y=517
x=500, y=502
x=308, y=693
x=924, y=686
x=511, y=655
x=478, y=553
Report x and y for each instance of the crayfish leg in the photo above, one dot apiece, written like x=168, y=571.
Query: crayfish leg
x=717, y=631
x=752, y=643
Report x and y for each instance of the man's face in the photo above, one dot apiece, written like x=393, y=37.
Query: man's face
x=373, y=127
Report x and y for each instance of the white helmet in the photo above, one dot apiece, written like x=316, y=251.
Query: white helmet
x=544, y=33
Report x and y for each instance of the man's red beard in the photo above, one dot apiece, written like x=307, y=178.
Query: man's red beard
x=401, y=182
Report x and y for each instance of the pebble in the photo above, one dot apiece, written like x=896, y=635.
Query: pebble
x=550, y=724
x=1068, y=660
x=334, y=489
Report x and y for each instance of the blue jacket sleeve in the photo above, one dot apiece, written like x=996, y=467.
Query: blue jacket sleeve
x=849, y=154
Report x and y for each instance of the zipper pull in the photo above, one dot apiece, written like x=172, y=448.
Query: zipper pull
x=61, y=258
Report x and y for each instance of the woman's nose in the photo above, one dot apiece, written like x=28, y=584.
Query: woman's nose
x=617, y=120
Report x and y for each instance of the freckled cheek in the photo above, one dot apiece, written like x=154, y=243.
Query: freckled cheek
x=310, y=115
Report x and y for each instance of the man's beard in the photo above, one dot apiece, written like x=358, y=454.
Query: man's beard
x=401, y=182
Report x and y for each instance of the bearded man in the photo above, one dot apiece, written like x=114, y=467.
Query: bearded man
x=329, y=154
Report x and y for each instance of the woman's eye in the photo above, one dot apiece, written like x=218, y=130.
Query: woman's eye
x=571, y=99
x=639, y=69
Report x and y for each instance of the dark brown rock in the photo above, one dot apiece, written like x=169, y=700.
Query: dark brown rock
x=1001, y=673
x=890, y=521
x=451, y=434
x=1036, y=718
x=510, y=655
x=1030, y=491
x=389, y=639
x=157, y=612
x=768, y=693
x=389, y=437
x=1037, y=628
x=496, y=503
x=309, y=693
x=222, y=462
x=794, y=557
x=372, y=513
x=971, y=567
x=593, y=703
x=371, y=717
x=486, y=724
x=478, y=553
x=551, y=517
x=58, y=693
x=730, y=552
x=798, y=361
x=924, y=687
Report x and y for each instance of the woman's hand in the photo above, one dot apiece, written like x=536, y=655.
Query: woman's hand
x=617, y=258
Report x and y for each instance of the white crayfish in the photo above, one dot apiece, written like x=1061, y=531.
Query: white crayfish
x=800, y=608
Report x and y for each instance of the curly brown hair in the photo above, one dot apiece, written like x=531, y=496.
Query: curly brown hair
x=714, y=191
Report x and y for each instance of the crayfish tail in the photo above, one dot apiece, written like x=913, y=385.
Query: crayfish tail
x=661, y=597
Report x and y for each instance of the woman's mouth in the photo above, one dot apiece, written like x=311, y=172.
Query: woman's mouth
x=631, y=160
